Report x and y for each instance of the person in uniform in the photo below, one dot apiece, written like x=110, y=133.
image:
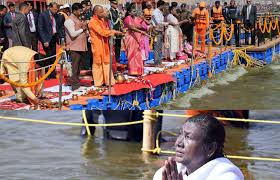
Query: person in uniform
x=187, y=27
x=201, y=17
x=115, y=23
x=217, y=17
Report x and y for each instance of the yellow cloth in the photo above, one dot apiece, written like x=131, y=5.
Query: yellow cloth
x=11, y=58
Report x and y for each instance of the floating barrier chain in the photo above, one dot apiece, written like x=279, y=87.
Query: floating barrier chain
x=157, y=114
x=158, y=150
x=68, y=123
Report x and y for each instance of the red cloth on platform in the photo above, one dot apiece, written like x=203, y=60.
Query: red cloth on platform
x=154, y=79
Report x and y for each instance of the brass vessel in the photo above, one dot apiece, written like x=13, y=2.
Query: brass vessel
x=75, y=97
x=66, y=102
x=120, y=78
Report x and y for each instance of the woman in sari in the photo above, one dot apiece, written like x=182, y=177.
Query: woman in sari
x=173, y=35
x=133, y=42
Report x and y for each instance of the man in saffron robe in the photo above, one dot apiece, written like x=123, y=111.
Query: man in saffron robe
x=99, y=35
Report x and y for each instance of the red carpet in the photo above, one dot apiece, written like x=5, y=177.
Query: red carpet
x=149, y=81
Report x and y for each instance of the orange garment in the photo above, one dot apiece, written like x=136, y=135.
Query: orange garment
x=217, y=14
x=201, y=23
x=148, y=13
x=99, y=35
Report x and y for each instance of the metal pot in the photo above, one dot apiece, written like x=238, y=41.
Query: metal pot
x=120, y=78
x=75, y=97
x=66, y=102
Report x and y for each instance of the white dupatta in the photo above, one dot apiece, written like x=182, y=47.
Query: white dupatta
x=217, y=169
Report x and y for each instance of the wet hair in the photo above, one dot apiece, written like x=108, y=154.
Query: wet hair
x=2, y=7
x=160, y=3
x=76, y=6
x=22, y=6
x=213, y=131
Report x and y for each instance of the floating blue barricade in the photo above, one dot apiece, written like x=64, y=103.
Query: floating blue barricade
x=76, y=107
x=164, y=93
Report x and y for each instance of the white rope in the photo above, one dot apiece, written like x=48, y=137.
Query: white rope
x=38, y=60
x=29, y=71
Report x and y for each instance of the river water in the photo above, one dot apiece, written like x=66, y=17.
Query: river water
x=238, y=88
x=30, y=151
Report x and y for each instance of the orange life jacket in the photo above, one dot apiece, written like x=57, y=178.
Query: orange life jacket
x=218, y=13
x=200, y=16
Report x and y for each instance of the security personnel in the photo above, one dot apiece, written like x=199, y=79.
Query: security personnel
x=233, y=17
x=217, y=13
x=217, y=17
x=201, y=18
x=115, y=22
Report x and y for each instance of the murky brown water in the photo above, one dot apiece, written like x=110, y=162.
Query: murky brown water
x=47, y=152
x=238, y=88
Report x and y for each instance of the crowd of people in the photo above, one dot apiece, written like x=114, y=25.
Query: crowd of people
x=87, y=31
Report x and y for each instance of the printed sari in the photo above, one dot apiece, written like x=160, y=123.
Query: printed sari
x=133, y=41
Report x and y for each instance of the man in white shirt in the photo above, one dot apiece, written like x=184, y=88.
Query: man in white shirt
x=76, y=42
x=158, y=22
x=32, y=17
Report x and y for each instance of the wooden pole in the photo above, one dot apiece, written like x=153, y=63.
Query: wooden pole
x=148, y=130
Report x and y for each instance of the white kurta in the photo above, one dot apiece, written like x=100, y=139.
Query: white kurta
x=173, y=36
x=217, y=169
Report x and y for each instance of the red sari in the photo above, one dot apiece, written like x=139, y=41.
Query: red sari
x=132, y=43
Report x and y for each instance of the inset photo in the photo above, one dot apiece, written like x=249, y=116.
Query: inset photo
x=128, y=145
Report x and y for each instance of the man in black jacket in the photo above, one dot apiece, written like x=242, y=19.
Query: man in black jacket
x=32, y=17
x=115, y=21
x=232, y=17
x=51, y=31
x=249, y=14
x=3, y=38
x=20, y=28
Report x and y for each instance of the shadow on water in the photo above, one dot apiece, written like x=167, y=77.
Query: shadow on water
x=37, y=151
x=238, y=88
